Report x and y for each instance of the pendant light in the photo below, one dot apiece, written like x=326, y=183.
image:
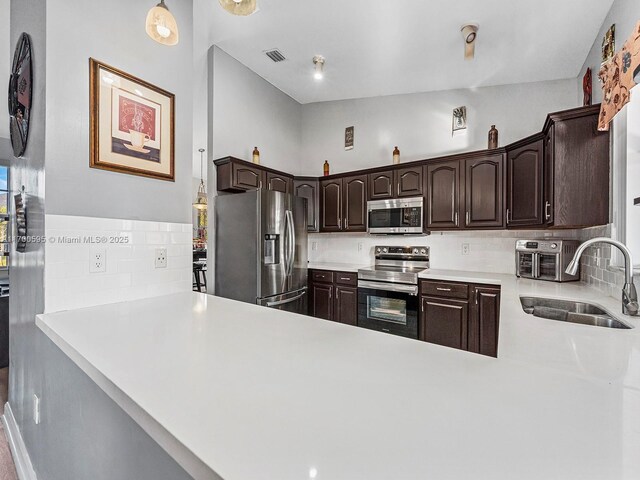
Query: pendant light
x=201, y=200
x=161, y=25
x=318, y=67
x=239, y=7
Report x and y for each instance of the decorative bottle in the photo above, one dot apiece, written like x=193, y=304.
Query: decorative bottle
x=326, y=168
x=256, y=156
x=396, y=156
x=493, y=137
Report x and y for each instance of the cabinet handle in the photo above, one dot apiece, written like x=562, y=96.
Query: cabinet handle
x=260, y=185
x=422, y=307
x=508, y=211
x=443, y=289
x=339, y=223
x=547, y=205
x=467, y=218
x=342, y=278
x=345, y=223
x=475, y=294
x=456, y=218
x=398, y=189
x=330, y=293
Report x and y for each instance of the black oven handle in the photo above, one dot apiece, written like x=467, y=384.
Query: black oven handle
x=389, y=287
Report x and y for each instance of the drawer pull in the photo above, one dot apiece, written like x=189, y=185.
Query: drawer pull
x=343, y=278
x=443, y=289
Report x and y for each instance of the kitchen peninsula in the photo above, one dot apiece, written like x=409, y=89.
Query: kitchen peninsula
x=340, y=402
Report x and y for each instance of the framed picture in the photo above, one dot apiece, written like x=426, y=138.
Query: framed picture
x=132, y=124
x=609, y=44
x=348, y=138
x=459, y=119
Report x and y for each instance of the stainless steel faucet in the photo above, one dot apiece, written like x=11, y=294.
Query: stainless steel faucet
x=629, y=294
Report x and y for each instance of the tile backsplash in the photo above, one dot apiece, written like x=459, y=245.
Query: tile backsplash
x=129, y=248
x=489, y=251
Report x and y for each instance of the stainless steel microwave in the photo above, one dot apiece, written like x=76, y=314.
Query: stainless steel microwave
x=400, y=216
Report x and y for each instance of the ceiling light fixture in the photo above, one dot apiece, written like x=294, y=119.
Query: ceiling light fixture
x=161, y=25
x=318, y=62
x=239, y=7
x=201, y=200
x=470, y=34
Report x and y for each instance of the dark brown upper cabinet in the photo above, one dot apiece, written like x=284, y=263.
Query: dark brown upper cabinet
x=397, y=183
x=525, y=185
x=331, y=205
x=484, y=192
x=381, y=185
x=279, y=183
x=577, y=175
x=307, y=187
x=354, y=203
x=443, y=188
x=235, y=175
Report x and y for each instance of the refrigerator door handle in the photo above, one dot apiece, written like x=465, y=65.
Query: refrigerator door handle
x=288, y=300
x=291, y=238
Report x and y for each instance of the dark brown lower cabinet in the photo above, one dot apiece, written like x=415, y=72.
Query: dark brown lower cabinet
x=321, y=304
x=461, y=316
x=346, y=305
x=444, y=322
x=334, y=296
x=484, y=317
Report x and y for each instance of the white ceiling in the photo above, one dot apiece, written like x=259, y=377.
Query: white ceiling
x=377, y=47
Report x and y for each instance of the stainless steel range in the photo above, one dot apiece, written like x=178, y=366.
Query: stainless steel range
x=388, y=291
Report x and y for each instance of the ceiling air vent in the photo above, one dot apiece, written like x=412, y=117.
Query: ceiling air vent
x=275, y=55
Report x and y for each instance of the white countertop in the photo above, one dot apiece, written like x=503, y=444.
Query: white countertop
x=337, y=267
x=253, y=393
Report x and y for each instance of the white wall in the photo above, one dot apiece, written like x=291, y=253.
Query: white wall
x=420, y=124
x=625, y=14
x=113, y=32
x=248, y=111
x=6, y=50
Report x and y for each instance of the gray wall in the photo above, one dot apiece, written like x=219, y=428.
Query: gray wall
x=27, y=269
x=113, y=32
x=420, y=123
x=625, y=14
x=99, y=440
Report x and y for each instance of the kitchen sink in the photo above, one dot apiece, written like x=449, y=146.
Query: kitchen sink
x=569, y=311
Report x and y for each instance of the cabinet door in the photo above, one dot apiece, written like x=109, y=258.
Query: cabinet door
x=322, y=301
x=548, y=177
x=525, y=182
x=278, y=183
x=346, y=305
x=309, y=189
x=484, y=192
x=354, y=206
x=381, y=185
x=484, y=320
x=248, y=178
x=444, y=322
x=443, y=184
x=331, y=205
x=409, y=182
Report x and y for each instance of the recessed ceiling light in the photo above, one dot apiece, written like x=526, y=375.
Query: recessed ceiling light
x=318, y=62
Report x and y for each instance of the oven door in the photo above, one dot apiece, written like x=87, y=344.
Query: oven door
x=388, y=307
x=548, y=266
x=526, y=264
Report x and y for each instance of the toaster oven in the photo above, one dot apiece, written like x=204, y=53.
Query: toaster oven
x=546, y=259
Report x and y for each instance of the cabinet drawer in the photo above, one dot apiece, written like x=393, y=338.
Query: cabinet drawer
x=323, y=276
x=444, y=289
x=346, y=278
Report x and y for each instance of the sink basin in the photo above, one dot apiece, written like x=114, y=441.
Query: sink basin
x=569, y=311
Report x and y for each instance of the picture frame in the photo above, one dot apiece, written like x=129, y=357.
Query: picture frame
x=459, y=119
x=348, y=138
x=132, y=124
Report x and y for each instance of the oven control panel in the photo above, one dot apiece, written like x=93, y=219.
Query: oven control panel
x=395, y=252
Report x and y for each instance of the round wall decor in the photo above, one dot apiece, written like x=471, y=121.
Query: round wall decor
x=20, y=95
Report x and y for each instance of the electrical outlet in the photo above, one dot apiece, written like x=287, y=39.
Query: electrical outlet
x=360, y=247
x=314, y=245
x=98, y=261
x=161, y=258
x=465, y=249
x=36, y=409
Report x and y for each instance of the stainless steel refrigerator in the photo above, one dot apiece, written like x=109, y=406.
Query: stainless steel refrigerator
x=261, y=249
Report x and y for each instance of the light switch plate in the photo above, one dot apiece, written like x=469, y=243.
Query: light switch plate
x=36, y=409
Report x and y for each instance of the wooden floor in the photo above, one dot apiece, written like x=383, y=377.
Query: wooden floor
x=7, y=468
